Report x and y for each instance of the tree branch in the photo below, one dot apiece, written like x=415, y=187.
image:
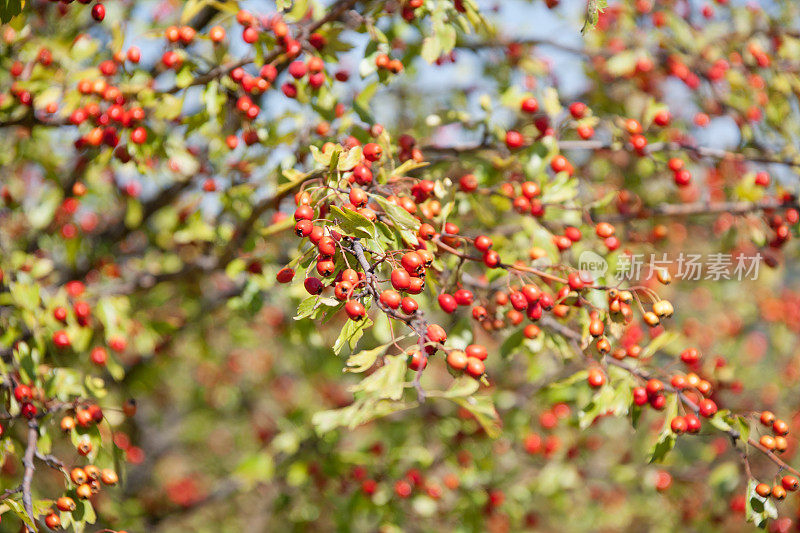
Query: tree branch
x=27, y=461
x=700, y=208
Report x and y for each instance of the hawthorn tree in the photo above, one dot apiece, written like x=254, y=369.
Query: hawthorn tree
x=398, y=265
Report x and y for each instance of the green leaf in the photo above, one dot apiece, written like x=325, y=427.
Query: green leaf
x=593, y=10
x=134, y=213
x=386, y=382
x=408, y=166
x=460, y=388
x=312, y=306
x=361, y=411
x=511, y=343
x=84, y=512
x=184, y=77
x=169, y=108
x=658, y=343
x=743, y=426
x=666, y=439
x=363, y=360
x=256, y=468
x=350, y=160
x=9, y=9
x=41, y=213
x=757, y=509
x=431, y=49
x=622, y=63
x=353, y=223
x=482, y=408
x=607, y=400
x=25, y=295
x=662, y=447
x=562, y=189
x=17, y=509
x=351, y=333
x=190, y=9
x=397, y=214
x=320, y=157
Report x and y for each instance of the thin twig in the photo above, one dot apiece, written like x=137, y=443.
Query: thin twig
x=27, y=461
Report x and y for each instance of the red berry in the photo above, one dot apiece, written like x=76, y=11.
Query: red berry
x=372, y=152
x=313, y=285
x=29, y=410
x=463, y=297
x=491, y=259
x=483, y=243
x=678, y=425
x=596, y=378
x=412, y=262
x=690, y=356
x=475, y=367
x=436, y=333
x=402, y=488
x=61, y=339
x=355, y=310
x=60, y=314
x=692, y=423
x=639, y=396
x=98, y=12
x=418, y=361
x=478, y=351
x=577, y=109
x=117, y=343
x=654, y=387
x=575, y=281
x=362, y=174
x=297, y=69
x=662, y=118
x=250, y=35
x=514, y=139
x=447, y=302
x=304, y=212
x=409, y=305
x=23, y=393
x=285, y=275
x=559, y=163
x=390, y=298
x=675, y=164
x=468, y=182
x=401, y=280
x=139, y=135
x=99, y=355
x=457, y=360
x=790, y=483
x=707, y=407
x=530, y=105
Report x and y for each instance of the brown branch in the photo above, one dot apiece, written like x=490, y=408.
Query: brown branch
x=699, y=208
x=699, y=151
x=10, y=492
x=30, y=120
x=475, y=46
x=529, y=270
x=763, y=156
x=27, y=461
x=53, y=462
x=416, y=322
